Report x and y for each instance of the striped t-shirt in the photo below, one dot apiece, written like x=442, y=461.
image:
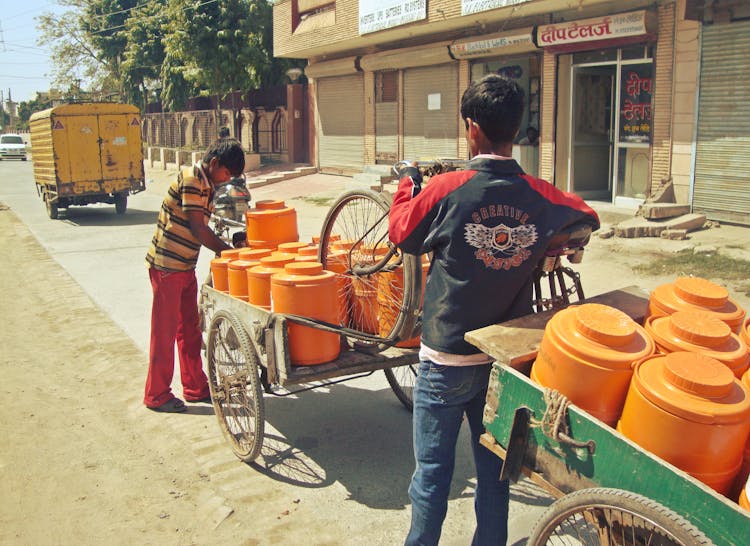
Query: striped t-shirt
x=174, y=247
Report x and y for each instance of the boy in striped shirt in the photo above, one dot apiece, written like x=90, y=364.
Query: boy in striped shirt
x=181, y=230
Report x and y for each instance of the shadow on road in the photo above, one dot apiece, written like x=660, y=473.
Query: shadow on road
x=100, y=216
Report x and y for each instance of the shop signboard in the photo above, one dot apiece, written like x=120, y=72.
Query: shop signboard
x=375, y=15
x=621, y=25
x=636, y=88
x=501, y=44
x=475, y=6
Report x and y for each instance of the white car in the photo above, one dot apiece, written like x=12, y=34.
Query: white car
x=12, y=147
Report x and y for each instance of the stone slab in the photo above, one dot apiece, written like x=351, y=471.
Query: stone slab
x=642, y=227
x=654, y=211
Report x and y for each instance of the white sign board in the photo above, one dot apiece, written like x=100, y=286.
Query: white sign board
x=375, y=15
x=475, y=6
x=493, y=44
x=433, y=101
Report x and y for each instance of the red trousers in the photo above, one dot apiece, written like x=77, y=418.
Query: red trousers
x=174, y=318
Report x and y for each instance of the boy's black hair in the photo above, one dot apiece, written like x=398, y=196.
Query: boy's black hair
x=229, y=153
x=496, y=104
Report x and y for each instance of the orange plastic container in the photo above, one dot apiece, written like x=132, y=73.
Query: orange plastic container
x=304, y=288
x=262, y=245
x=271, y=221
x=291, y=247
x=744, y=474
x=259, y=278
x=232, y=253
x=254, y=254
x=696, y=294
x=390, y=285
x=743, y=500
x=587, y=352
x=365, y=290
x=699, y=332
x=337, y=262
x=237, y=277
x=745, y=334
x=219, y=274
x=691, y=411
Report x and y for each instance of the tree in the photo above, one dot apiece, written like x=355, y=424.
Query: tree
x=144, y=52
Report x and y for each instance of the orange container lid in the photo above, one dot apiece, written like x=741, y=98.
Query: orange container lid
x=269, y=204
x=277, y=259
x=309, y=250
x=693, y=386
x=599, y=334
x=243, y=264
x=332, y=237
x=697, y=331
x=233, y=253
x=221, y=263
x=292, y=246
x=254, y=254
x=277, y=212
x=301, y=273
x=343, y=244
x=695, y=293
x=262, y=245
x=746, y=332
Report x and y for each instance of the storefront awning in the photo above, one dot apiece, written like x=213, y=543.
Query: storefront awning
x=409, y=57
x=335, y=67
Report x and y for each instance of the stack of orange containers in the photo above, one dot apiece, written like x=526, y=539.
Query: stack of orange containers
x=587, y=352
x=690, y=410
x=699, y=332
x=305, y=289
x=696, y=294
x=259, y=278
x=272, y=223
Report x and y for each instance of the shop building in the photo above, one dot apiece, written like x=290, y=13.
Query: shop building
x=623, y=93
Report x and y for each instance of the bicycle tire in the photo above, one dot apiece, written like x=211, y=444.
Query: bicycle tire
x=234, y=382
x=613, y=516
x=361, y=218
x=402, y=380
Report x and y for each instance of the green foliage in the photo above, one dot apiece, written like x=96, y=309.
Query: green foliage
x=174, y=48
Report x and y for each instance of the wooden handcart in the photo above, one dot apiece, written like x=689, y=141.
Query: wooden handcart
x=610, y=490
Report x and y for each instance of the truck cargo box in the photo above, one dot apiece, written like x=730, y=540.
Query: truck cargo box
x=87, y=153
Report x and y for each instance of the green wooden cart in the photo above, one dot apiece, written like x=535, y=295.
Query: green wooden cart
x=610, y=491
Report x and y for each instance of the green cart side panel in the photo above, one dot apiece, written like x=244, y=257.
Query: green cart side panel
x=617, y=462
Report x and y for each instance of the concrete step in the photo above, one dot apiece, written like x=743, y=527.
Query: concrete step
x=383, y=170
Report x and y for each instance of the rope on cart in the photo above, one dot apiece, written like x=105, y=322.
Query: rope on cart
x=553, y=421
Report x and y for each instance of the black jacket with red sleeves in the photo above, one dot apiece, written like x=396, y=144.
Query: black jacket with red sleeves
x=488, y=227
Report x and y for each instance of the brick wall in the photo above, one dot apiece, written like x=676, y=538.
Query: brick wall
x=661, y=150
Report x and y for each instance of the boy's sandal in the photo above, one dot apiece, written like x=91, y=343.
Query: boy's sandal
x=175, y=405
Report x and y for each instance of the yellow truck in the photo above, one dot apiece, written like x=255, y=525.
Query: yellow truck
x=87, y=153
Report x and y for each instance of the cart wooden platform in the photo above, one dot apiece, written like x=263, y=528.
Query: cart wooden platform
x=610, y=490
x=247, y=350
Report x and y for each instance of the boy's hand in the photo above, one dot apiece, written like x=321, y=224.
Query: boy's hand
x=409, y=169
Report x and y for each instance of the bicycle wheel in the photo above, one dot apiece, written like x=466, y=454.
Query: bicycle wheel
x=402, y=380
x=613, y=517
x=382, y=301
x=234, y=381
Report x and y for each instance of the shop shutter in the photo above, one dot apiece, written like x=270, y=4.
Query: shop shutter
x=722, y=160
x=431, y=112
x=386, y=117
x=341, y=112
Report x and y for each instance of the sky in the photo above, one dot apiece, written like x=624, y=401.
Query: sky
x=24, y=65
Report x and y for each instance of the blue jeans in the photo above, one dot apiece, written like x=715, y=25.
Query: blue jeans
x=442, y=395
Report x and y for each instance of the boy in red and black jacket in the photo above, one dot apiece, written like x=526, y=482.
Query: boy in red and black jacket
x=487, y=227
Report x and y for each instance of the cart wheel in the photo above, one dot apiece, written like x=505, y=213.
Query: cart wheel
x=52, y=210
x=613, y=516
x=402, y=380
x=234, y=380
x=361, y=217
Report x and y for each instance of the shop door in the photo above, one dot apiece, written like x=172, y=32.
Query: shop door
x=592, y=131
x=722, y=156
x=386, y=117
x=431, y=113
x=342, y=128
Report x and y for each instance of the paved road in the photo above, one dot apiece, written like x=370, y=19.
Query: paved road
x=345, y=448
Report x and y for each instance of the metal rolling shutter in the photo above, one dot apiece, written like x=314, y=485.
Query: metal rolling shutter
x=341, y=112
x=722, y=159
x=430, y=134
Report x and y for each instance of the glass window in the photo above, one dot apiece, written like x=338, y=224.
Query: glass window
x=635, y=52
x=596, y=56
x=633, y=171
x=11, y=139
